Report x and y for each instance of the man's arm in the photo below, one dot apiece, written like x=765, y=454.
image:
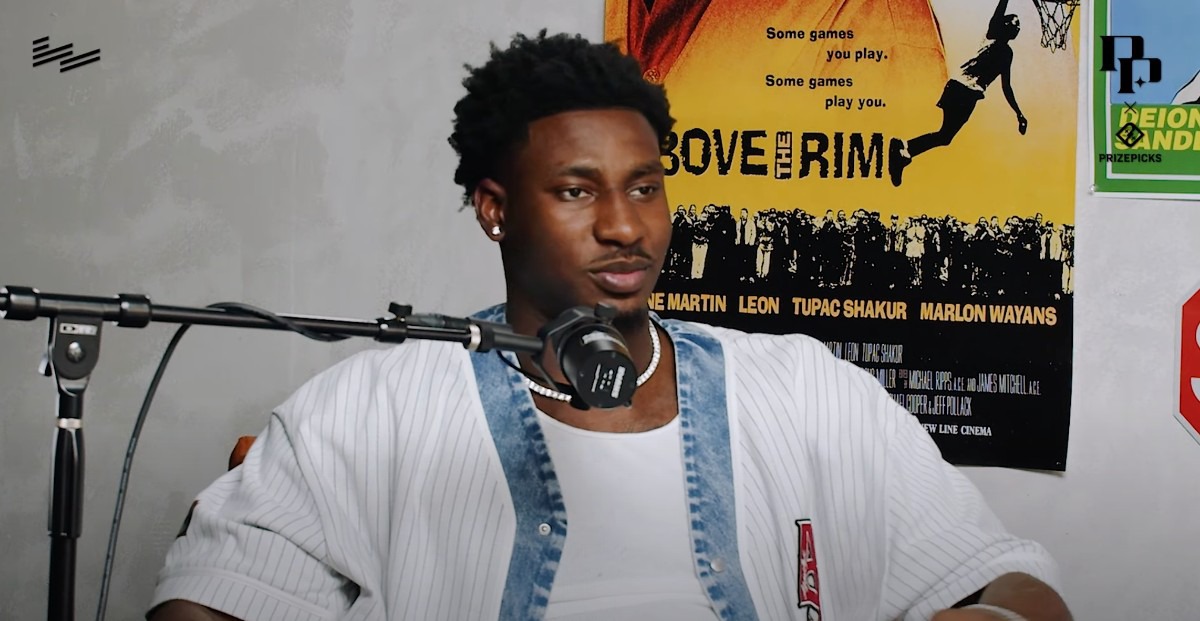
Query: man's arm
x=256, y=539
x=1021, y=593
x=179, y=610
x=945, y=541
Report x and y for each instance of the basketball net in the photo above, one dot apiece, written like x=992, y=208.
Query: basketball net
x=1056, y=21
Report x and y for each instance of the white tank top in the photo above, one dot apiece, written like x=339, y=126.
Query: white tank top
x=628, y=552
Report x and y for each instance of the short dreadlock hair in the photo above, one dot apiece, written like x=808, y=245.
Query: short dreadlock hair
x=540, y=77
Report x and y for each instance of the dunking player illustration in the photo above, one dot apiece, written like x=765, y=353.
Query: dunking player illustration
x=961, y=93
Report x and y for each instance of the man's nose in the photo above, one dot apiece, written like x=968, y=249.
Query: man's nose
x=619, y=219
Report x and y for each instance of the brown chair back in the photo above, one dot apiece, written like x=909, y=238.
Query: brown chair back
x=239, y=451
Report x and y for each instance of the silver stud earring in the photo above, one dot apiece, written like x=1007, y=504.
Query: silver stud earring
x=496, y=230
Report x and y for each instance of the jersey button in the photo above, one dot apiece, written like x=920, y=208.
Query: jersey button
x=717, y=565
x=543, y=529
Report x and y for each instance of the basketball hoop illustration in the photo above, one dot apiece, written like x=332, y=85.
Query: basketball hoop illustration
x=1056, y=18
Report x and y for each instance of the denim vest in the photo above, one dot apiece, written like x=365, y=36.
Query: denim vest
x=542, y=525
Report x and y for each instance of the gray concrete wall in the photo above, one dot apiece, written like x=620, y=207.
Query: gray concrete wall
x=293, y=156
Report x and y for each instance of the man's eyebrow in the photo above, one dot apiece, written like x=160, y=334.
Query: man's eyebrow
x=649, y=168
x=593, y=172
x=578, y=170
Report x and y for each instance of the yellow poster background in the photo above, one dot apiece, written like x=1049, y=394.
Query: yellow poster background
x=990, y=169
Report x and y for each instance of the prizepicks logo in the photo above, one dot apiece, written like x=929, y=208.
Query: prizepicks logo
x=1129, y=134
x=42, y=54
x=808, y=584
x=1189, y=365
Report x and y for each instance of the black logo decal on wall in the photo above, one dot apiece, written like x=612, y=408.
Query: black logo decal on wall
x=42, y=54
x=1124, y=65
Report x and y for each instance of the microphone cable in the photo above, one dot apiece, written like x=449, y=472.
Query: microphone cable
x=127, y=467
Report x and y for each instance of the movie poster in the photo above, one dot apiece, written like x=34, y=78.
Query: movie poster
x=1146, y=98
x=893, y=178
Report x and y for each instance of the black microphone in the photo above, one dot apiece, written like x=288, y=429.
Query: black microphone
x=593, y=356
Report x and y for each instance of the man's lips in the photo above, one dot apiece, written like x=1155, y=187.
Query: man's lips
x=622, y=277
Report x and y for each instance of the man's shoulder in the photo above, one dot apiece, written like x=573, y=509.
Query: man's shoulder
x=798, y=355
x=400, y=359
x=410, y=368
x=391, y=360
x=411, y=365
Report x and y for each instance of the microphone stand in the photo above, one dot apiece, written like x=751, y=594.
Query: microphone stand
x=74, y=347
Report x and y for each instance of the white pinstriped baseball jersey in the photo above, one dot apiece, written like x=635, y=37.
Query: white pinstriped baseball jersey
x=414, y=483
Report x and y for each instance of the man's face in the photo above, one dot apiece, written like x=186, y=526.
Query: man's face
x=585, y=215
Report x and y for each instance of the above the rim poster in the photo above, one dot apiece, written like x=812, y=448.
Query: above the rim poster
x=893, y=178
x=1145, y=77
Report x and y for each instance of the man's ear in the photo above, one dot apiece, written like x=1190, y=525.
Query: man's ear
x=490, y=202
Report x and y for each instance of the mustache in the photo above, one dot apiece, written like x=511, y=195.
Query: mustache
x=626, y=254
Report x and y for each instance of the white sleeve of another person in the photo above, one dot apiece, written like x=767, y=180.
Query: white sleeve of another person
x=945, y=543
x=255, y=547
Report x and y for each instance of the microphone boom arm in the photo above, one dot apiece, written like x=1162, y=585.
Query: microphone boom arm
x=73, y=349
x=136, y=311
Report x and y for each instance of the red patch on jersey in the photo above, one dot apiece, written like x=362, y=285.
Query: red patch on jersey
x=808, y=584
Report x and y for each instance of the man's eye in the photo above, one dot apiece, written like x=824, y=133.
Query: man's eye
x=571, y=193
x=645, y=190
